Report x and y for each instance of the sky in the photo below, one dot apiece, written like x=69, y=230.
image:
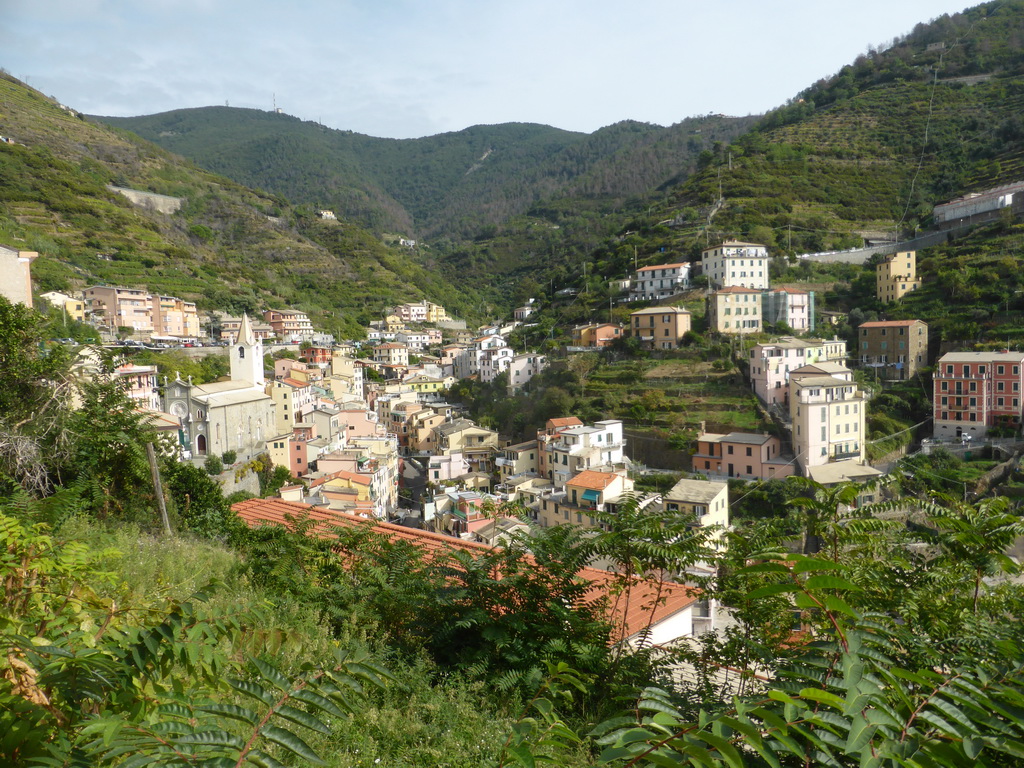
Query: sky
x=411, y=68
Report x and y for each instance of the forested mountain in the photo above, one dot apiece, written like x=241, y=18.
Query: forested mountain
x=867, y=151
x=451, y=184
x=227, y=248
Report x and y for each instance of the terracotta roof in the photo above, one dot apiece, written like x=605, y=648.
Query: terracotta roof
x=664, y=266
x=648, y=601
x=294, y=382
x=888, y=323
x=564, y=421
x=736, y=289
x=341, y=474
x=661, y=311
x=588, y=478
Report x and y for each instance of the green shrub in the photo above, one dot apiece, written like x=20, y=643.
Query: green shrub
x=213, y=465
x=229, y=457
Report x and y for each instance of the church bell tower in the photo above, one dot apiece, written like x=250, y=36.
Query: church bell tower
x=247, y=356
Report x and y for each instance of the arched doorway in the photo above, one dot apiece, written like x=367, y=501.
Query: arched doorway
x=201, y=444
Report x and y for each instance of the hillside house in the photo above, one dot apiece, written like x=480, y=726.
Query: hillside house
x=772, y=362
x=659, y=281
x=290, y=326
x=738, y=264
x=595, y=335
x=827, y=413
x=790, y=307
x=522, y=368
x=895, y=349
x=974, y=392
x=741, y=455
x=706, y=501
x=574, y=449
x=660, y=327
x=734, y=310
x=896, y=276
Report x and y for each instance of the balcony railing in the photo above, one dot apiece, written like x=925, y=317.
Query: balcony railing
x=841, y=455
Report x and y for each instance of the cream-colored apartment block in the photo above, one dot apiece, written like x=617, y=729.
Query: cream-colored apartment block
x=734, y=310
x=828, y=417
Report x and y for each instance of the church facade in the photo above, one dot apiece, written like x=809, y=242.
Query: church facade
x=235, y=415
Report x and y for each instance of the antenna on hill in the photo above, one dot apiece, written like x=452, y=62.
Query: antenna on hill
x=275, y=102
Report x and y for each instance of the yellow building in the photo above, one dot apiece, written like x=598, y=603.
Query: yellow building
x=734, y=310
x=896, y=276
x=707, y=501
x=660, y=327
x=585, y=494
x=74, y=308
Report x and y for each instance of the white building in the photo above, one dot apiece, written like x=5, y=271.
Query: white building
x=522, y=368
x=579, y=448
x=736, y=264
x=659, y=281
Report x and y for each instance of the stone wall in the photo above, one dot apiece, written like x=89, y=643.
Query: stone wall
x=151, y=200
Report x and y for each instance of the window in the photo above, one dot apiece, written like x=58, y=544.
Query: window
x=749, y=451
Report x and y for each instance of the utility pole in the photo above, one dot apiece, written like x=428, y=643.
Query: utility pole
x=158, y=487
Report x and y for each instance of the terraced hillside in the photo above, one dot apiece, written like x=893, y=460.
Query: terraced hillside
x=228, y=247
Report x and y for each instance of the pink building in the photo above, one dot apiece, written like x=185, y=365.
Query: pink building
x=441, y=468
x=140, y=384
x=359, y=422
x=741, y=455
x=772, y=362
x=595, y=334
x=974, y=391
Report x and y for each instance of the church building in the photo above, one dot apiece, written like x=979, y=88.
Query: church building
x=234, y=415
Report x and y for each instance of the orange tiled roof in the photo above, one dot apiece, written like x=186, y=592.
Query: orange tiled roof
x=648, y=602
x=341, y=474
x=564, y=421
x=663, y=266
x=736, y=289
x=597, y=481
x=888, y=323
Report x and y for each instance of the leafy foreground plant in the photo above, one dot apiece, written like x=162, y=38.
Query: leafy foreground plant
x=845, y=701
x=88, y=679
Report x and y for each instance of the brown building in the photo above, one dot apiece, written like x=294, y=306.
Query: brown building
x=896, y=349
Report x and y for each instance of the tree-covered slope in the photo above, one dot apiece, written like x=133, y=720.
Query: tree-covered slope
x=452, y=183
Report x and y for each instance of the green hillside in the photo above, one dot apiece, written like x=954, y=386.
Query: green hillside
x=452, y=184
x=877, y=145
x=228, y=247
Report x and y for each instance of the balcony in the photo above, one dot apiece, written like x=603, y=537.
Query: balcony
x=843, y=455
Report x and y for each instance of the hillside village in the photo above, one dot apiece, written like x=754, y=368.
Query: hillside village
x=677, y=446
x=354, y=421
